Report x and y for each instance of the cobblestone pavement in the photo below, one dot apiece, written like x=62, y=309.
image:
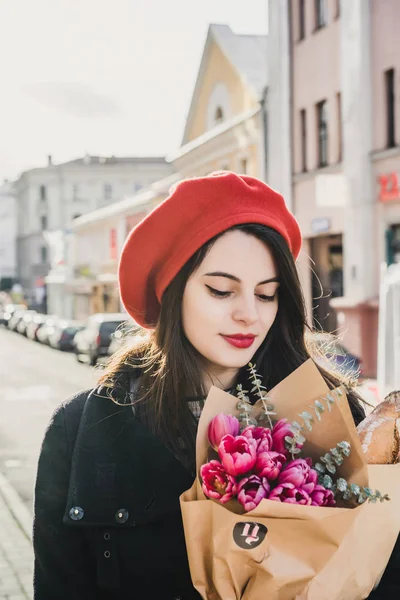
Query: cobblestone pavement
x=16, y=555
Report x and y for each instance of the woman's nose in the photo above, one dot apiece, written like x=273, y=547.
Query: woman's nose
x=246, y=310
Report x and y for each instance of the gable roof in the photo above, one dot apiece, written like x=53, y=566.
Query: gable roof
x=246, y=53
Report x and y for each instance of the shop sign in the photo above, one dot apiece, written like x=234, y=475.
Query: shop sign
x=320, y=225
x=389, y=188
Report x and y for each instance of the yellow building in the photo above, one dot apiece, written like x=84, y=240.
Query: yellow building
x=225, y=127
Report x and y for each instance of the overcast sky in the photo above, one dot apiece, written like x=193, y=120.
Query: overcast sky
x=103, y=76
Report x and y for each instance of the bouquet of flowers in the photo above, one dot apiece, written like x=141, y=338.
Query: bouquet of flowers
x=256, y=462
x=284, y=506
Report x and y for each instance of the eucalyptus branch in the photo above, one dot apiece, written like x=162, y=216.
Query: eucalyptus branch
x=245, y=406
x=269, y=409
x=299, y=430
x=341, y=488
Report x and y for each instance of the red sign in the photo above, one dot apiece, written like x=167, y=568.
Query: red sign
x=113, y=244
x=389, y=189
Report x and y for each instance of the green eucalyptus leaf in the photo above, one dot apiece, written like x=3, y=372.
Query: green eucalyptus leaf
x=327, y=482
x=341, y=484
x=319, y=467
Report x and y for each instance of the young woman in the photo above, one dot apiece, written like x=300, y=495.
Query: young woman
x=211, y=275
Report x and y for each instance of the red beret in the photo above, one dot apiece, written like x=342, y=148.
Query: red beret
x=196, y=210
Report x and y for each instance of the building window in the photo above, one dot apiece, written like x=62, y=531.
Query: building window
x=43, y=223
x=219, y=115
x=339, y=125
x=42, y=192
x=303, y=134
x=320, y=13
x=393, y=244
x=302, y=22
x=43, y=254
x=390, y=108
x=322, y=133
x=243, y=166
x=107, y=191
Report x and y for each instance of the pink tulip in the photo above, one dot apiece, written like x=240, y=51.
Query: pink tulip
x=310, y=482
x=287, y=492
x=269, y=464
x=281, y=430
x=296, y=472
x=251, y=491
x=222, y=425
x=260, y=434
x=322, y=497
x=217, y=484
x=238, y=454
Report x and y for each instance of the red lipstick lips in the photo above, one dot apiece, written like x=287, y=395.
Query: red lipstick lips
x=238, y=340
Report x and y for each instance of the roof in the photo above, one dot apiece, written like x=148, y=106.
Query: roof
x=246, y=53
x=128, y=205
x=113, y=160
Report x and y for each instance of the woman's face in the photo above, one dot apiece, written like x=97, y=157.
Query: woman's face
x=230, y=303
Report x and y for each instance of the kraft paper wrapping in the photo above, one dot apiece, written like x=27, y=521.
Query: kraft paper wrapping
x=282, y=551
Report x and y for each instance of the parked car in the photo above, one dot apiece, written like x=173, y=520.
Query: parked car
x=92, y=342
x=34, y=326
x=15, y=319
x=47, y=329
x=8, y=311
x=63, y=336
x=25, y=321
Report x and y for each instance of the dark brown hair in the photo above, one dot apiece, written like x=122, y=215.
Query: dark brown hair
x=168, y=365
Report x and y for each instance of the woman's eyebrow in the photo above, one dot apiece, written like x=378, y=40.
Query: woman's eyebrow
x=234, y=278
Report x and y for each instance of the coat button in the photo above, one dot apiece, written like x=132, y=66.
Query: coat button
x=76, y=513
x=121, y=515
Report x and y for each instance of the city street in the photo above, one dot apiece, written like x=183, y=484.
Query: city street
x=34, y=380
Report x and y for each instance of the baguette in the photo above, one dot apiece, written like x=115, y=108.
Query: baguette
x=380, y=432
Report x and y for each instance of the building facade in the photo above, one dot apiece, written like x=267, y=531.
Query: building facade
x=50, y=198
x=333, y=145
x=8, y=236
x=90, y=282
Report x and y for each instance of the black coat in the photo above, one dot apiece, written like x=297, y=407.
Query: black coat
x=107, y=522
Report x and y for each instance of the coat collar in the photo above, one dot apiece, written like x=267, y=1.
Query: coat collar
x=121, y=475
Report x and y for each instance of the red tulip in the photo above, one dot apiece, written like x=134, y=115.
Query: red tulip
x=251, y=491
x=269, y=464
x=320, y=496
x=287, y=492
x=296, y=472
x=220, y=426
x=260, y=434
x=281, y=430
x=238, y=454
x=217, y=483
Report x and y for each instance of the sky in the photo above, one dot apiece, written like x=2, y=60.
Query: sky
x=103, y=76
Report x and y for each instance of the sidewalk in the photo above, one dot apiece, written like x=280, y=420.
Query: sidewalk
x=16, y=555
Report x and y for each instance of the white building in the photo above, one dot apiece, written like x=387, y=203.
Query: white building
x=8, y=236
x=50, y=198
x=88, y=283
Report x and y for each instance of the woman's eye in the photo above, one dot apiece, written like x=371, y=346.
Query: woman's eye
x=264, y=298
x=218, y=293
